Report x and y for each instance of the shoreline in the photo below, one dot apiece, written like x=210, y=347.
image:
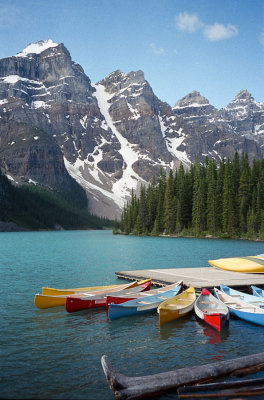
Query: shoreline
x=212, y=237
x=176, y=236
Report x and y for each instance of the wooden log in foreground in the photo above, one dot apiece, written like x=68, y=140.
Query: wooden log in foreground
x=243, y=387
x=125, y=387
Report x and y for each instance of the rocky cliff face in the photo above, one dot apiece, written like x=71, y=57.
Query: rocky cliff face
x=112, y=135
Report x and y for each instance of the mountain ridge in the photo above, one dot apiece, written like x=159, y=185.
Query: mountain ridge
x=112, y=135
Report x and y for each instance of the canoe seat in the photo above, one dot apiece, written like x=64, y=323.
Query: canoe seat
x=162, y=297
x=143, y=302
x=204, y=302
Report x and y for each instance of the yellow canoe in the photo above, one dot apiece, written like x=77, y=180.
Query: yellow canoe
x=57, y=292
x=250, y=264
x=48, y=301
x=177, y=306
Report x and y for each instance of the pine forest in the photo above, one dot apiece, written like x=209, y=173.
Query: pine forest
x=225, y=200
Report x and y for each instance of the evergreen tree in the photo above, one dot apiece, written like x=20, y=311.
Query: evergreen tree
x=219, y=193
x=159, y=220
x=169, y=205
x=199, y=200
x=235, y=179
x=205, y=197
x=151, y=204
x=244, y=198
x=212, y=200
x=116, y=227
x=260, y=197
x=184, y=199
x=142, y=219
x=229, y=222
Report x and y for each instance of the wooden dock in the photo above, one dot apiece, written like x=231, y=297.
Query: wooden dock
x=208, y=277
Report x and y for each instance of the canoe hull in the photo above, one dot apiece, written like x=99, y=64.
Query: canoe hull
x=177, y=307
x=252, y=265
x=216, y=321
x=74, y=304
x=45, y=301
x=141, y=305
x=117, y=299
x=116, y=311
x=168, y=316
x=246, y=311
x=77, y=304
x=249, y=317
x=211, y=310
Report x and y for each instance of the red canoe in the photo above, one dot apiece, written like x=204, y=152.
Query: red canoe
x=95, y=300
x=211, y=310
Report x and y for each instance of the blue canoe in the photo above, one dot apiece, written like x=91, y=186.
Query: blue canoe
x=141, y=305
x=248, y=298
x=257, y=291
x=241, y=309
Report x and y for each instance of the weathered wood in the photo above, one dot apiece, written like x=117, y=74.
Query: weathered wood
x=198, y=277
x=125, y=387
x=241, y=386
x=249, y=370
x=226, y=394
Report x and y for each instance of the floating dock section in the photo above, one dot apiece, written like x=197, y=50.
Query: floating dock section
x=208, y=277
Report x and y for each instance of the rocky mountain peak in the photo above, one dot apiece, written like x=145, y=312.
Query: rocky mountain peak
x=118, y=80
x=246, y=117
x=193, y=99
x=244, y=95
x=243, y=100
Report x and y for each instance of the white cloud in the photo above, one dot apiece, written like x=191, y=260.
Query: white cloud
x=188, y=22
x=191, y=23
x=220, y=32
x=261, y=38
x=157, y=50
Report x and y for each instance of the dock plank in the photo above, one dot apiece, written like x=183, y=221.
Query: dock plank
x=197, y=277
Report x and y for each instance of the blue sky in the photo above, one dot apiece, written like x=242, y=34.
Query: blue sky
x=213, y=46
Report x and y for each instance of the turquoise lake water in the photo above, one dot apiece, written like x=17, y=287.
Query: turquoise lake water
x=50, y=354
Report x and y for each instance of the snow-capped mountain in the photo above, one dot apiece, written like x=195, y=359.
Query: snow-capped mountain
x=112, y=135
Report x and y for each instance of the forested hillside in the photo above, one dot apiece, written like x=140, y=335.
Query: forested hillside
x=225, y=200
x=35, y=207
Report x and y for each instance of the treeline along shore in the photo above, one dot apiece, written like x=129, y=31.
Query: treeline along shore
x=225, y=200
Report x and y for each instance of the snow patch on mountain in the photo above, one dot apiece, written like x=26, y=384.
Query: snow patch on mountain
x=173, y=143
x=76, y=171
x=37, y=48
x=190, y=105
x=122, y=187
